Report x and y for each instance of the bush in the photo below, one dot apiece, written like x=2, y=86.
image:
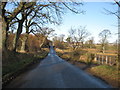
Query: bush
x=90, y=57
x=59, y=44
x=76, y=54
x=10, y=41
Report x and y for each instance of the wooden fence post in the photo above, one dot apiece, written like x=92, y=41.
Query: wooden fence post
x=102, y=59
x=106, y=59
x=95, y=59
x=99, y=59
x=110, y=60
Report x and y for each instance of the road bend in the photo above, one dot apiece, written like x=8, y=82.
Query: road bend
x=54, y=72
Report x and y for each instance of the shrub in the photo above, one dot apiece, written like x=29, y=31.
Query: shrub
x=59, y=44
x=90, y=57
x=10, y=41
x=76, y=54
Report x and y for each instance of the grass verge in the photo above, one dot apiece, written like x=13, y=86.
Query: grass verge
x=107, y=73
x=15, y=63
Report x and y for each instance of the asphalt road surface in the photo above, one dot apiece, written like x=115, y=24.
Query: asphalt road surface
x=54, y=72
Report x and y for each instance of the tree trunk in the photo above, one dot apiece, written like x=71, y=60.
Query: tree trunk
x=19, y=31
x=42, y=42
x=0, y=33
x=5, y=28
x=3, y=33
x=103, y=49
x=26, y=39
x=23, y=45
x=26, y=36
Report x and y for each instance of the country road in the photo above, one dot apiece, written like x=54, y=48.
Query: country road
x=54, y=72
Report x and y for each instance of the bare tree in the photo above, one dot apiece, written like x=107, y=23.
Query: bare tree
x=77, y=36
x=47, y=12
x=69, y=40
x=46, y=32
x=72, y=38
x=24, y=13
x=116, y=45
x=7, y=17
x=82, y=34
x=116, y=13
x=90, y=42
x=117, y=2
x=62, y=37
x=104, y=36
x=58, y=43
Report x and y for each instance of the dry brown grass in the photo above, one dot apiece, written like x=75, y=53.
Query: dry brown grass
x=46, y=49
x=111, y=54
x=59, y=50
x=108, y=73
x=63, y=51
x=91, y=50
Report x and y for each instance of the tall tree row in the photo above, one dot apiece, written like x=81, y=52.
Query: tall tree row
x=32, y=16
